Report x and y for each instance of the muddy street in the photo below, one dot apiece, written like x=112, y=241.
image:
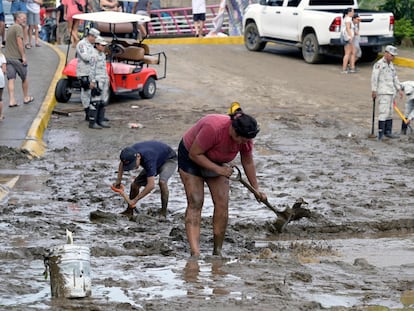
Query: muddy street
x=353, y=251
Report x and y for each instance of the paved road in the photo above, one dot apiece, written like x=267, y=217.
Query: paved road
x=24, y=126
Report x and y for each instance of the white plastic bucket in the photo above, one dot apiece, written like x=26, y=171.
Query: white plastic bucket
x=70, y=271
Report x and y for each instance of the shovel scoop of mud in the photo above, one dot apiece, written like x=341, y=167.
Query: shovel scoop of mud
x=296, y=212
x=283, y=217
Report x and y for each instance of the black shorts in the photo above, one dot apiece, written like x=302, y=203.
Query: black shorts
x=199, y=17
x=190, y=167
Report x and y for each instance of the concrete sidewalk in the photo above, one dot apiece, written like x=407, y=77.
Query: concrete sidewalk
x=23, y=126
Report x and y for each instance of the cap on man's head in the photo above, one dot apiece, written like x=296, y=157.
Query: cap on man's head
x=101, y=40
x=245, y=126
x=94, y=32
x=128, y=157
x=391, y=49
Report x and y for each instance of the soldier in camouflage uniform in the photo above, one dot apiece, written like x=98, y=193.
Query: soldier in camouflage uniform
x=100, y=75
x=384, y=85
x=85, y=52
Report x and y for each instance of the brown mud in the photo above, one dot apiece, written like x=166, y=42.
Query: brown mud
x=353, y=251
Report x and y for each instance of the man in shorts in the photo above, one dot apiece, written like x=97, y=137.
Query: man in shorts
x=199, y=16
x=16, y=59
x=156, y=158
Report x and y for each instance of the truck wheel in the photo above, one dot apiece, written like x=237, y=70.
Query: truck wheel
x=149, y=89
x=252, y=39
x=62, y=91
x=310, y=49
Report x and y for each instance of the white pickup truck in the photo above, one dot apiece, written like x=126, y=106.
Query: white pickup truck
x=314, y=26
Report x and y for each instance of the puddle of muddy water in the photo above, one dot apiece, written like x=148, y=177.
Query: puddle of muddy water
x=354, y=259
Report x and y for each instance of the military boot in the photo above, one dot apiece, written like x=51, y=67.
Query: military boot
x=93, y=118
x=86, y=114
x=388, y=130
x=381, y=129
x=101, y=116
x=404, y=127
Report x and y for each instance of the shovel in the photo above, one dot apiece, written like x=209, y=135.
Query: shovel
x=123, y=194
x=403, y=118
x=372, y=135
x=283, y=217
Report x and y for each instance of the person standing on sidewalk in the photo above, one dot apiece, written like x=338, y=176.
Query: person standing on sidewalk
x=20, y=6
x=2, y=82
x=2, y=25
x=33, y=20
x=384, y=85
x=16, y=59
x=199, y=16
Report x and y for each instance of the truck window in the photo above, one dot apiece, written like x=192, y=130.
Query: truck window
x=331, y=2
x=293, y=3
x=275, y=2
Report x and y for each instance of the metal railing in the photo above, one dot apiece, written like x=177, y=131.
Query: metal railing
x=179, y=22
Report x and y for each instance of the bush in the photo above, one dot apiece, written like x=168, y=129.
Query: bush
x=404, y=31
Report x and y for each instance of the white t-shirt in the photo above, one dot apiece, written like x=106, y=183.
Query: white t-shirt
x=33, y=7
x=2, y=61
x=199, y=6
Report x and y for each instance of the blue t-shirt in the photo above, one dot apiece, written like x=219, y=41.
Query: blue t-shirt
x=153, y=155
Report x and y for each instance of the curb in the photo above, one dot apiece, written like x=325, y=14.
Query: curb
x=33, y=142
x=204, y=40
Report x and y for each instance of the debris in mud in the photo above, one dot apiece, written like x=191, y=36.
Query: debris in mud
x=15, y=155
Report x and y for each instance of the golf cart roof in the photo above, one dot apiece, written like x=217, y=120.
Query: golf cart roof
x=112, y=17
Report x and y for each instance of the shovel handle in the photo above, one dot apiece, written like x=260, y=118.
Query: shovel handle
x=123, y=194
x=254, y=191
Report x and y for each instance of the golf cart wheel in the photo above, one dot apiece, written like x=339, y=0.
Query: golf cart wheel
x=149, y=89
x=62, y=91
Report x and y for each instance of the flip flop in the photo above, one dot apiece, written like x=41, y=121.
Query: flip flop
x=16, y=105
x=31, y=98
x=27, y=46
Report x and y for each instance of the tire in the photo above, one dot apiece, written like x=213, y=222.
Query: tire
x=310, y=49
x=149, y=89
x=252, y=39
x=62, y=91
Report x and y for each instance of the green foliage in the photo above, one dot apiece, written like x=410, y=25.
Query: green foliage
x=403, y=28
x=371, y=4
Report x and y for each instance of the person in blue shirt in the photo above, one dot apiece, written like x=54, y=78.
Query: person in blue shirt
x=155, y=158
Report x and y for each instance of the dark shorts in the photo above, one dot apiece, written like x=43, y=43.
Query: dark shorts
x=165, y=172
x=199, y=17
x=190, y=167
x=15, y=67
x=2, y=17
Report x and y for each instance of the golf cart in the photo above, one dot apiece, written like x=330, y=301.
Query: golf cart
x=130, y=65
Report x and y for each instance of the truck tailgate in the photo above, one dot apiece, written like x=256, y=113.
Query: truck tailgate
x=375, y=24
